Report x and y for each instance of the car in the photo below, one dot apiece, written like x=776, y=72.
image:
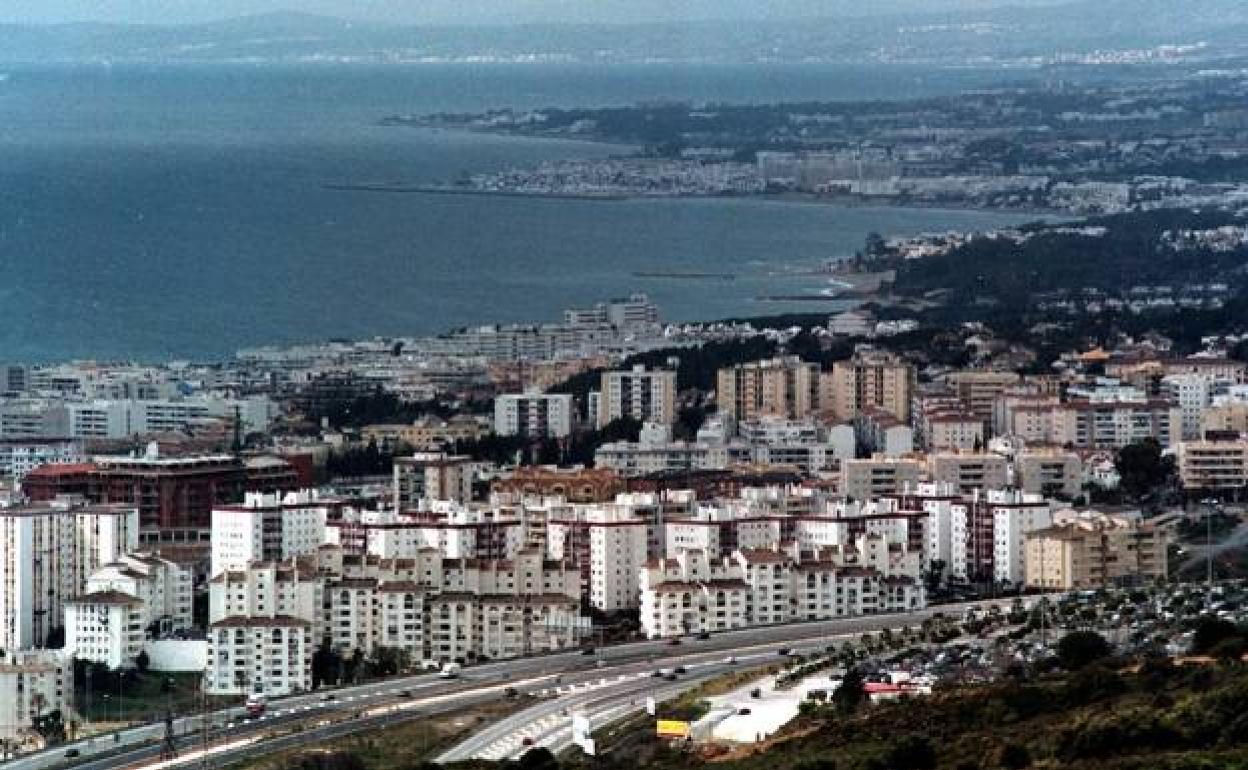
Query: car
x=406, y=693
x=657, y=675
x=71, y=753
x=671, y=677
x=511, y=692
x=784, y=652
x=756, y=693
x=679, y=670
x=526, y=741
x=702, y=637
x=673, y=642
x=731, y=660
x=587, y=650
x=328, y=698
x=743, y=712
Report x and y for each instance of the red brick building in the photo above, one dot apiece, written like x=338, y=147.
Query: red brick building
x=175, y=495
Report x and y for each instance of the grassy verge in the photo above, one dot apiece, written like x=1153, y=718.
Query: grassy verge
x=145, y=697
x=400, y=747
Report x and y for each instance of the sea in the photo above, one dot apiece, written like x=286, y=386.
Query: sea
x=152, y=213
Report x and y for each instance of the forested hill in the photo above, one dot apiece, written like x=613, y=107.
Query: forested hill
x=1129, y=251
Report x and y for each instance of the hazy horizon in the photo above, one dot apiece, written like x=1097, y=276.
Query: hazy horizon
x=474, y=12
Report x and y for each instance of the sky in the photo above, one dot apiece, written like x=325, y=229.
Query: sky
x=474, y=12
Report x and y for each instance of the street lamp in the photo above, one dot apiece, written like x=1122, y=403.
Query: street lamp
x=1211, y=504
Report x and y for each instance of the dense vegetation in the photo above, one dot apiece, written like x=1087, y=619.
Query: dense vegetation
x=1096, y=716
x=1127, y=255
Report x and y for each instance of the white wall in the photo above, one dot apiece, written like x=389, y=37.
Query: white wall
x=177, y=655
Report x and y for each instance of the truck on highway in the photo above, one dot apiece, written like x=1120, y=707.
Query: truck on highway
x=450, y=671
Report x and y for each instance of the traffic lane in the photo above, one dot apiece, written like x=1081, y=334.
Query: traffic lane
x=635, y=651
x=610, y=697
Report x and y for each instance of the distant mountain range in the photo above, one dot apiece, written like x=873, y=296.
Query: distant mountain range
x=1033, y=35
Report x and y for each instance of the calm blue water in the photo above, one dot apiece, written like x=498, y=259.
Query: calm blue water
x=155, y=213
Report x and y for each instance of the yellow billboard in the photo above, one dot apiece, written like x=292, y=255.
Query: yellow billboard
x=671, y=728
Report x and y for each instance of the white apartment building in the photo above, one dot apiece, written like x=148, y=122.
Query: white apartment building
x=124, y=418
x=1010, y=526
x=607, y=545
x=650, y=456
x=988, y=533
x=270, y=655
x=453, y=529
x=21, y=456
x=268, y=527
x=106, y=627
x=434, y=608
x=163, y=586
x=719, y=529
x=645, y=396
x=1194, y=392
x=268, y=590
x=691, y=593
x=33, y=683
x=533, y=415
x=47, y=551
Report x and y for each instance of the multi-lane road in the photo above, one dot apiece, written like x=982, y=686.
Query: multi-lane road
x=606, y=683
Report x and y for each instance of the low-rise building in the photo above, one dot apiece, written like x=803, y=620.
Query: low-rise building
x=1214, y=466
x=969, y=472
x=869, y=478
x=1052, y=474
x=1087, y=549
x=33, y=684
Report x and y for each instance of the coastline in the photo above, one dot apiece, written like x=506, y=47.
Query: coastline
x=796, y=198
x=842, y=201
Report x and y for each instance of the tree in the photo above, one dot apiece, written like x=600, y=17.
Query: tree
x=913, y=752
x=539, y=758
x=1080, y=649
x=56, y=638
x=1230, y=650
x=50, y=725
x=388, y=661
x=326, y=665
x=1015, y=756
x=142, y=661
x=1211, y=631
x=851, y=694
x=1142, y=468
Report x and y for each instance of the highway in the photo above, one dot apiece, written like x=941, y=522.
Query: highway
x=404, y=697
